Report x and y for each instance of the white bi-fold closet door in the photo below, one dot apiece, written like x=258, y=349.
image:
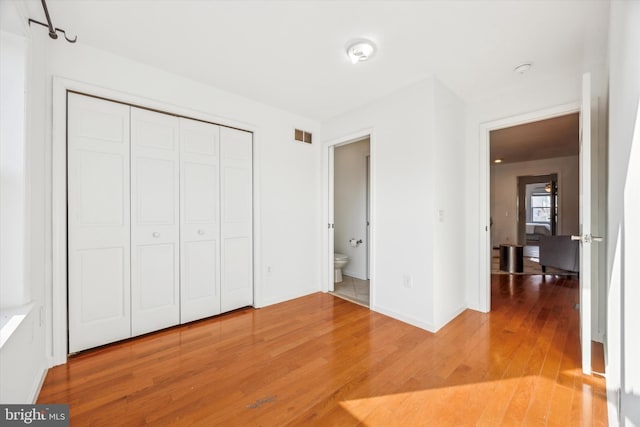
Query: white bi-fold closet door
x=159, y=220
x=155, y=221
x=199, y=220
x=98, y=219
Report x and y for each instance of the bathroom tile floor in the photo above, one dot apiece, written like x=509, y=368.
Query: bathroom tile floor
x=352, y=289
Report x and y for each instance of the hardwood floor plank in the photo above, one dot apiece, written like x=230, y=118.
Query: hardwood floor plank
x=320, y=360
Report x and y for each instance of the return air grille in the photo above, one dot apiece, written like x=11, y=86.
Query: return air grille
x=302, y=136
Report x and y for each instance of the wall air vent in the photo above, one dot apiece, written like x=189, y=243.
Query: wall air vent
x=302, y=136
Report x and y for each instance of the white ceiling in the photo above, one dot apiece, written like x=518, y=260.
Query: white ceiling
x=290, y=54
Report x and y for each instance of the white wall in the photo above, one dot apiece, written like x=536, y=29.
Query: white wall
x=504, y=195
x=13, y=66
x=450, y=205
x=350, y=205
x=23, y=361
x=408, y=189
x=623, y=249
x=23, y=358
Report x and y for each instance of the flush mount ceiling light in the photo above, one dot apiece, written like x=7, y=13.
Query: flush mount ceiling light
x=360, y=50
x=523, y=68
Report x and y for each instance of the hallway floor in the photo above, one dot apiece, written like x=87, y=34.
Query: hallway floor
x=353, y=289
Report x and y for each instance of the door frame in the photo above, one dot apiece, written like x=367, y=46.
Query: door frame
x=56, y=297
x=326, y=261
x=368, y=209
x=484, y=186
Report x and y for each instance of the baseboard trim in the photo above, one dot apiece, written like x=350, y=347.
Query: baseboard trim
x=277, y=300
x=452, y=316
x=38, y=386
x=403, y=318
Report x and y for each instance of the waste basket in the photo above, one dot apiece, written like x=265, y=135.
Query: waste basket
x=511, y=258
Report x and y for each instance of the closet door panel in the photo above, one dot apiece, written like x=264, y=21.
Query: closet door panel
x=200, y=224
x=98, y=222
x=200, y=293
x=155, y=191
x=155, y=213
x=155, y=278
x=236, y=219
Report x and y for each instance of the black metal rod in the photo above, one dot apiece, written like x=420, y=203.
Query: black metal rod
x=52, y=31
x=67, y=38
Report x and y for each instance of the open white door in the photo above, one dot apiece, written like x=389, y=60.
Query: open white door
x=236, y=219
x=585, y=237
x=330, y=225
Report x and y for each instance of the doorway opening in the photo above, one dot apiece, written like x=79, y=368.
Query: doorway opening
x=529, y=164
x=591, y=210
x=351, y=220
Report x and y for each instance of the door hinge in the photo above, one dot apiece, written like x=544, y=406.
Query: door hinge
x=331, y=225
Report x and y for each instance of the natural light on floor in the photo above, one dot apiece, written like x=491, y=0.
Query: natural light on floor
x=478, y=403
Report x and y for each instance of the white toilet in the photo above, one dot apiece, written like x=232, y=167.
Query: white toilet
x=339, y=262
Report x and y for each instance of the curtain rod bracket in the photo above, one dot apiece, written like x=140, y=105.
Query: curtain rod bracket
x=53, y=32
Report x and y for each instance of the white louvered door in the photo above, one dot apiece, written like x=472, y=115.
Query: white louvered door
x=98, y=222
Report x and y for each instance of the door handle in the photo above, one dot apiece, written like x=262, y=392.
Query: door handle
x=200, y=232
x=156, y=234
x=587, y=238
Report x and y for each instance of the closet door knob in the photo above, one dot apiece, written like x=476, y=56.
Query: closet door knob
x=156, y=234
x=201, y=232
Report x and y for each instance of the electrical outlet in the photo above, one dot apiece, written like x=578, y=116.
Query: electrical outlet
x=407, y=281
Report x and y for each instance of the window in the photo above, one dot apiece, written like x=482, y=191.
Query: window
x=541, y=208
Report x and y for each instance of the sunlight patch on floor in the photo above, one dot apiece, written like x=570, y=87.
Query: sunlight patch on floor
x=447, y=405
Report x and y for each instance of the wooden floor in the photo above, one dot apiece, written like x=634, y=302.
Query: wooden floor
x=321, y=360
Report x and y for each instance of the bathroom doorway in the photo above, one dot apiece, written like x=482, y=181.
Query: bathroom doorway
x=351, y=219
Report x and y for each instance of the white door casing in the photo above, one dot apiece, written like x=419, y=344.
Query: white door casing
x=155, y=213
x=368, y=217
x=236, y=222
x=98, y=222
x=331, y=216
x=199, y=220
